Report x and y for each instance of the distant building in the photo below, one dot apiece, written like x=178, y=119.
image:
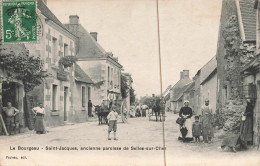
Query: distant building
x=176, y=94
x=102, y=67
x=205, y=85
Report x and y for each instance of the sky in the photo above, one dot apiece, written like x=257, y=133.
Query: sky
x=128, y=28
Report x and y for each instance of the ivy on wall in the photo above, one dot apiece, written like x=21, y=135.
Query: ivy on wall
x=23, y=67
x=67, y=61
x=232, y=43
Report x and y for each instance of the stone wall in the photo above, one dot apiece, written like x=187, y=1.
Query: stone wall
x=231, y=115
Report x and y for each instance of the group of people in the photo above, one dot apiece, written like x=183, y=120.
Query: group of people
x=203, y=125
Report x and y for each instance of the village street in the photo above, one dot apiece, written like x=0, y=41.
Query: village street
x=139, y=132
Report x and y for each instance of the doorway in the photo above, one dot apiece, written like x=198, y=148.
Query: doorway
x=65, y=103
x=10, y=93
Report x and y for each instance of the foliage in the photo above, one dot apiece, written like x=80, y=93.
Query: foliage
x=231, y=37
x=149, y=101
x=232, y=43
x=67, y=61
x=132, y=96
x=23, y=67
x=124, y=86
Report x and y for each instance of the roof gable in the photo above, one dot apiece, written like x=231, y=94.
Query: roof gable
x=81, y=76
x=48, y=14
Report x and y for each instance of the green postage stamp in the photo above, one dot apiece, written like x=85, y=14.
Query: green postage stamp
x=19, y=21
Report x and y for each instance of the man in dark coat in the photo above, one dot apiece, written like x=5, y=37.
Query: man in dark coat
x=89, y=108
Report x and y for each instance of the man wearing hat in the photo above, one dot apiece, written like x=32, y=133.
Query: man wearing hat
x=207, y=122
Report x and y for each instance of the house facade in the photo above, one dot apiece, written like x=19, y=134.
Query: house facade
x=251, y=80
x=176, y=92
x=234, y=84
x=102, y=67
x=65, y=91
x=205, y=86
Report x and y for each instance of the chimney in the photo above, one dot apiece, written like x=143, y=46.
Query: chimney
x=94, y=35
x=74, y=19
x=185, y=74
x=181, y=75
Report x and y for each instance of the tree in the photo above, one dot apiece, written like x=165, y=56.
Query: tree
x=23, y=67
x=132, y=96
x=124, y=86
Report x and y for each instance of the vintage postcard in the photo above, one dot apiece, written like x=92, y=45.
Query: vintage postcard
x=129, y=82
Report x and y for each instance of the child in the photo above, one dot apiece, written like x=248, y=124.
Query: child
x=196, y=129
x=112, y=122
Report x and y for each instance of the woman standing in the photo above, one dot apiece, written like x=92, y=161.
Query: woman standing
x=39, y=122
x=186, y=113
x=246, y=128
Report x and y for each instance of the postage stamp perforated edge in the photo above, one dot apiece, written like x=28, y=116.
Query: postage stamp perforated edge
x=2, y=25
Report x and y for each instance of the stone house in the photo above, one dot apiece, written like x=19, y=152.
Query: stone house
x=188, y=94
x=209, y=89
x=166, y=95
x=14, y=90
x=82, y=95
x=238, y=17
x=205, y=85
x=251, y=80
x=176, y=92
x=102, y=67
x=59, y=91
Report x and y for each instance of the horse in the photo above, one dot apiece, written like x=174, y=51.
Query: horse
x=157, y=109
x=102, y=113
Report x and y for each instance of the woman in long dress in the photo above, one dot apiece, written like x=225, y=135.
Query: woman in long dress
x=246, y=127
x=39, y=121
x=186, y=113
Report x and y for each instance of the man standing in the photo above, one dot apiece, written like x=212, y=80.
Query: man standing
x=89, y=108
x=10, y=112
x=207, y=122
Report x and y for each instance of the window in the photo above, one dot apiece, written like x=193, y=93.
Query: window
x=54, y=50
x=54, y=95
x=108, y=76
x=112, y=78
x=66, y=49
x=83, y=96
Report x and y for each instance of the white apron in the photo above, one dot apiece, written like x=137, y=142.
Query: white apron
x=188, y=125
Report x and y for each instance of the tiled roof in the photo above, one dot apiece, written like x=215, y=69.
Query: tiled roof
x=190, y=87
x=81, y=76
x=209, y=76
x=48, y=13
x=178, y=92
x=88, y=46
x=207, y=69
x=248, y=14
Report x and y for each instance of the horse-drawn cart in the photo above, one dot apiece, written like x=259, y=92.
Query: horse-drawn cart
x=157, y=110
x=103, y=110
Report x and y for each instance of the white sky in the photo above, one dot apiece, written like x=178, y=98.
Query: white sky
x=128, y=28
